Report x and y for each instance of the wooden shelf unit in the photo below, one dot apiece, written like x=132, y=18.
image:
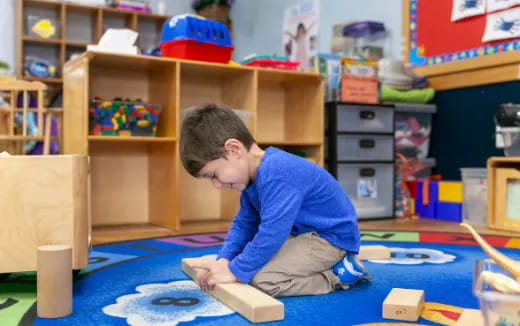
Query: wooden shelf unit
x=141, y=181
x=77, y=26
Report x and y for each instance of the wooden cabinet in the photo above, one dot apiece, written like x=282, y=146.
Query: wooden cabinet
x=139, y=180
x=503, y=200
x=76, y=26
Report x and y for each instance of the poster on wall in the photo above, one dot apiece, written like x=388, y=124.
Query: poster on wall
x=300, y=32
x=467, y=8
x=502, y=25
x=494, y=5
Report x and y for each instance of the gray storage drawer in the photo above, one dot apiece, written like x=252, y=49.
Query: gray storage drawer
x=354, y=118
x=365, y=148
x=370, y=187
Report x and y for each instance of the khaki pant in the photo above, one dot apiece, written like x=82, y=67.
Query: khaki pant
x=301, y=267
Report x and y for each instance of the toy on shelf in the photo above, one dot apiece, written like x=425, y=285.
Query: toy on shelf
x=38, y=67
x=123, y=118
x=268, y=61
x=131, y=5
x=42, y=27
x=196, y=38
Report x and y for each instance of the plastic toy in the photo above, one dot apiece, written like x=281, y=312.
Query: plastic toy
x=43, y=28
x=123, y=118
x=196, y=38
x=37, y=67
x=268, y=61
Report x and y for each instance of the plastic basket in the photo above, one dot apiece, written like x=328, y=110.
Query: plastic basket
x=497, y=308
x=190, y=37
x=474, y=195
x=123, y=118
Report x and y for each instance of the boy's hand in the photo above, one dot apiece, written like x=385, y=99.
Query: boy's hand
x=214, y=273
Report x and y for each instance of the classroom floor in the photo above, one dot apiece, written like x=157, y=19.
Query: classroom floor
x=110, y=234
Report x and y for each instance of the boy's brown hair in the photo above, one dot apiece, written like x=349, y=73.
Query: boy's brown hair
x=205, y=130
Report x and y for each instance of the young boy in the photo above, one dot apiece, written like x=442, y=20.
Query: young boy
x=296, y=231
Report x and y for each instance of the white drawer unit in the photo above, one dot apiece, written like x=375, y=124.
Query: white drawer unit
x=360, y=148
x=360, y=155
x=369, y=187
x=365, y=118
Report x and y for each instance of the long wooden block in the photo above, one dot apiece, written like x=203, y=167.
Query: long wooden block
x=244, y=299
x=374, y=252
x=470, y=317
x=403, y=304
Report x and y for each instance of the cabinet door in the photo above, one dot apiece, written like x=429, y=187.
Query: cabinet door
x=507, y=198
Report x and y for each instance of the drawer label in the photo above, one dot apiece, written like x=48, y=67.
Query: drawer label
x=367, y=188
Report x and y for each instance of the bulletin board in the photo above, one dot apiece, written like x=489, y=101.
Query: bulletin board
x=439, y=47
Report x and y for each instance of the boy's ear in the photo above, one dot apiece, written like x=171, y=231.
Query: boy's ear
x=234, y=146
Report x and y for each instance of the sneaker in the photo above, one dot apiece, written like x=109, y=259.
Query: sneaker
x=350, y=270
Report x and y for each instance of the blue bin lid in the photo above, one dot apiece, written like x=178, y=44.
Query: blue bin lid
x=188, y=27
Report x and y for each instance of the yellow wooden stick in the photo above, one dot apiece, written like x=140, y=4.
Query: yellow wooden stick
x=510, y=265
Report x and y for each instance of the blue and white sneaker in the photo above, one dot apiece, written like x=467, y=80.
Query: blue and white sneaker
x=350, y=270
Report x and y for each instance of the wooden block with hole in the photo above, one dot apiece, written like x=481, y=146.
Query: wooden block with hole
x=374, y=252
x=43, y=200
x=244, y=299
x=403, y=304
x=470, y=317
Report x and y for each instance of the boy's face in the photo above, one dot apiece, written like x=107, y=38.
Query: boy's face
x=230, y=172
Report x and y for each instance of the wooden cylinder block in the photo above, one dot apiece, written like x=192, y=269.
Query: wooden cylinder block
x=54, y=281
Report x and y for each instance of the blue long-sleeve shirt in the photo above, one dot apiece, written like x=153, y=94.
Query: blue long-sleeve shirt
x=289, y=195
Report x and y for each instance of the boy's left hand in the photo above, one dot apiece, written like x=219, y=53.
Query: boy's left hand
x=215, y=273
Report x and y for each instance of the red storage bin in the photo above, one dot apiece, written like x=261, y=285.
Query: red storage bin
x=193, y=50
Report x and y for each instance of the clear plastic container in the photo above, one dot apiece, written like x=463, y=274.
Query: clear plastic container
x=497, y=308
x=508, y=138
x=474, y=208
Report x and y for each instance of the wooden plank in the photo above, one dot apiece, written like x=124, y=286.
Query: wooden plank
x=483, y=76
x=487, y=61
x=406, y=28
x=249, y=302
x=374, y=252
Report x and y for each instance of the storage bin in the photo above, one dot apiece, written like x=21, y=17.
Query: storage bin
x=370, y=187
x=412, y=134
x=194, y=38
x=365, y=147
x=123, y=118
x=367, y=119
x=508, y=138
x=474, y=207
x=497, y=308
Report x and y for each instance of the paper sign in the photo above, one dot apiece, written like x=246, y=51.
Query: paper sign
x=467, y=8
x=502, y=25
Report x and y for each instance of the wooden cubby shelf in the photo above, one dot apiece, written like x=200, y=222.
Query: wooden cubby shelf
x=140, y=180
x=77, y=26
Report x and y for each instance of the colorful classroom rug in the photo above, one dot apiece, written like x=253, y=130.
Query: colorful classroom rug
x=141, y=283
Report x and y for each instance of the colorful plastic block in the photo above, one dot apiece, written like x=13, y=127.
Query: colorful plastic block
x=427, y=194
x=449, y=211
x=450, y=191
